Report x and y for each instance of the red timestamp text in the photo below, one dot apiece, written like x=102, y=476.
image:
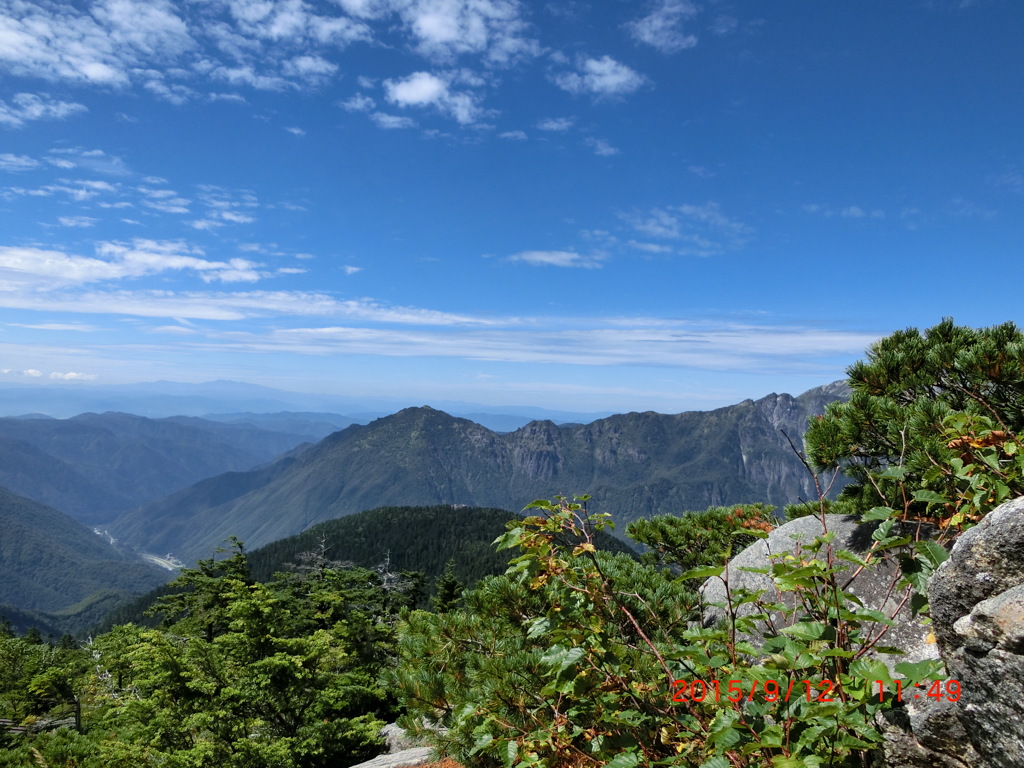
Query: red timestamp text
x=937, y=689
x=818, y=691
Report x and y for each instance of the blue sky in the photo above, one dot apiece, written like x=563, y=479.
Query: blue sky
x=667, y=205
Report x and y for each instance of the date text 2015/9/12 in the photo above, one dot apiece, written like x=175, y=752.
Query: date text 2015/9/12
x=822, y=691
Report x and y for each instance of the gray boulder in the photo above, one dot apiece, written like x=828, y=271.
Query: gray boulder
x=874, y=586
x=977, y=603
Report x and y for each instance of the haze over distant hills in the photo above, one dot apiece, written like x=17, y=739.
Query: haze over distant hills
x=225, y=400
x=94, y=466
x=633, y=465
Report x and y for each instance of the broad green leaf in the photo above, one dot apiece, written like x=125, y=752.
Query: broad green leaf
x=624, y=760
x=878, y=513
x=510, y=753
x=932, y=551
x=930, y=497
x=703, y=572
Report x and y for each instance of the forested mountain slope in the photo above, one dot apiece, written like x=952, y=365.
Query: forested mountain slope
x=52, y=563
x=94, y=466
x=419, y=539
x=633, y=465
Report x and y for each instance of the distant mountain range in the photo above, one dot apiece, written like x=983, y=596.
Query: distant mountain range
x=633, y=465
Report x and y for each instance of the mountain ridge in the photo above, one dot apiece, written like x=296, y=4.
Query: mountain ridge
x=634, y=465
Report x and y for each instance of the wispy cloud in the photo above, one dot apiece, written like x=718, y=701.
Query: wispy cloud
x=94, y=160
x=707, y=346
x=17, y=163
x=844, y=212
x=26, y=107
x=73, y=376
x=556, y=259
x=695, y=230
x=44, y=271
x=556, y=123
x=600, y=146
x=77, y=221
x=360, y=102
x=601, y=78
x=662, y=28
x=226, y=306
x=391, y=122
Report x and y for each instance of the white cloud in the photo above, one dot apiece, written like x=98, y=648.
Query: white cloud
x=48, y=270
x=95, y=160
x=312, y=69
x=391, y=122
x=236, y=305
x=149, y=28
x=649, y=247
x=358, y=103
x=572, y=341
x=601, y=147
x=30, y=106
x=556, y=123
x=32, y=373
x=296, y=131
x=556, y=259
x=350, y=270
x=77, y=221
x=236, y=218
x=205, y=225
x=724, y=25
x=81, y=327
x=662, y=27
x=73, y=376
x=423, y=89
x=164, y=200
x=603, y=78
x=698, y=230
x=846, y=212
x=513, y=135
x=16, y=163
x=444, y=29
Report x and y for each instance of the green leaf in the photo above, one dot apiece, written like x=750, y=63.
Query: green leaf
x=538, y=627
x=716, y=762
x=703, y=572
x=510, y=753
x=934, y=553
x=624, y=760
x=894, y=473
x=930, y=497
x=808, y=630
x=878, y=513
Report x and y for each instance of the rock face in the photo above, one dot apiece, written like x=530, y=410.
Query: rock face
x=977, y=599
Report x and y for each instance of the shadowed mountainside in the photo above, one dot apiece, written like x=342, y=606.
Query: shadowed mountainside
x=52, y=564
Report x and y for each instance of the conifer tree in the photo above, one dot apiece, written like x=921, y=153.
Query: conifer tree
x=448, y=590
